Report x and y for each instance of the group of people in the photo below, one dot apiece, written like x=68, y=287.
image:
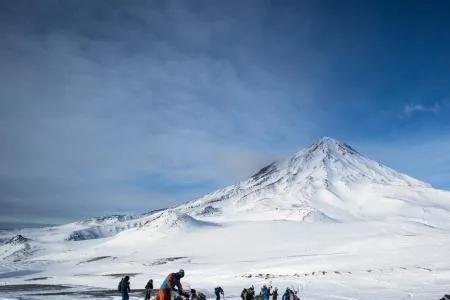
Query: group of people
x=267, y=292
x=171, y=286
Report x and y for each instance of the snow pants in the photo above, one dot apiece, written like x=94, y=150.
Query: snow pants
x=148, y=294
x=164, y=294
x=125, y=296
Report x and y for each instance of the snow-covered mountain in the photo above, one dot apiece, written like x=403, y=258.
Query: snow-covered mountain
x=326, y=210
x=328, y=181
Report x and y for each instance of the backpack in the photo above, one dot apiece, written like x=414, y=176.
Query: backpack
x=119, y=287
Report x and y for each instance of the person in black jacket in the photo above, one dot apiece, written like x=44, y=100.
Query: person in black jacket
x=251, y=293
x=148, y=289
x=218, y=290
x=244, y=294
x=275, y=294
x=124, y=287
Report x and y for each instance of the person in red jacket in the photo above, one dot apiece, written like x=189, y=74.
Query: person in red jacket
x=172, y=283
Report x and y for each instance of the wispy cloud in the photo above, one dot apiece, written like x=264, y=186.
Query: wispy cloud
x=411, y=109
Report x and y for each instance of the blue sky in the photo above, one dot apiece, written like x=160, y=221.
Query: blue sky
x=123, y=107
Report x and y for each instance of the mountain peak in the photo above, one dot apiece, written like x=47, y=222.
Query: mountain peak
x=331, y=146
x=330, y=160
x=328, y=140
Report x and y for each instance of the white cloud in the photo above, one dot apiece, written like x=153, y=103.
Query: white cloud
x=410, y=109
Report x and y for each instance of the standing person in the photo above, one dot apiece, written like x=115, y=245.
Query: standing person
x=250, y=295
x=218, y=290
x=148, y=289
x=287, y=294
x=293, y=295
x=124, y=287
x=265, y=293
x=172, y=283
x=275, y=294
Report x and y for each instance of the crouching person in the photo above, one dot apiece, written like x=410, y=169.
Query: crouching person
x=172, y=283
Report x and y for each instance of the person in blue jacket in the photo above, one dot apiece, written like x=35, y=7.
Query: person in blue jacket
x=287, y=294
x=265, y=293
